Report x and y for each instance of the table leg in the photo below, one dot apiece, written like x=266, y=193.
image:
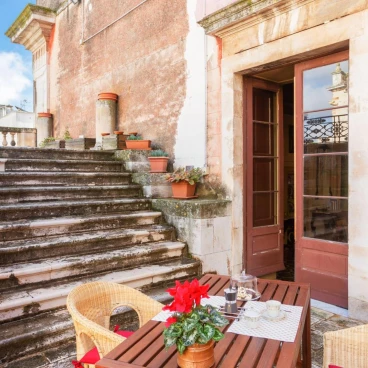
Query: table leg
x=306, y=341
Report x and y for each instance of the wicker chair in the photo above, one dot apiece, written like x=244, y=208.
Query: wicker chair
x=91, y=306
x=346, y=348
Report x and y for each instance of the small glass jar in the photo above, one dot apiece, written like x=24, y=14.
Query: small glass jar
x=246, y=286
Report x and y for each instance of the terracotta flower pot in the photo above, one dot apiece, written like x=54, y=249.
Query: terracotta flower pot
x=138, y=145
x=44, y=115
x=105, y=134
x=118, y=132
x=183, y=189
x=197, y=356
x=158, y=164
x=108, y=96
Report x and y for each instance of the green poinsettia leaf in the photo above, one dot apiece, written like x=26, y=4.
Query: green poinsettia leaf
x=218, y=320
x=218, y=335
x=181, y=347
x=203, y=315
x=190, y=338
x=169, y=341
x=189, y=324
x=208, y=331
x=175, y=330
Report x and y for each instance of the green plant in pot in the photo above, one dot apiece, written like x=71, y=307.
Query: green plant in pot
x=193, y=327
x=183, y=182
x=135, y=142
x=158, y=160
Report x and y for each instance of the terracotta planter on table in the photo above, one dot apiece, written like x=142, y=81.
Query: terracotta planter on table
x=197, y=356
x=138, y=145
x=183, y=189
x=158, y=164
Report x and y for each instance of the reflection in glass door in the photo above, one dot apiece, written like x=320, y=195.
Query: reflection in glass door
x=322, y=176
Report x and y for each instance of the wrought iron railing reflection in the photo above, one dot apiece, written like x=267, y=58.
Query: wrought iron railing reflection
x=333, y=129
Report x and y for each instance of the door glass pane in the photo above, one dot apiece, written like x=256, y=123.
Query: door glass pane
x=264, y=178
x=326, y=218
x=326, y=175
x=264, y=209
x=264, y=136
x=325, y=86
x=263, y=105
x=326, y=133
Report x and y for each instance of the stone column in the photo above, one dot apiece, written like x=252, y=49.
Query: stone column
x=106, y=116
x=44, y=126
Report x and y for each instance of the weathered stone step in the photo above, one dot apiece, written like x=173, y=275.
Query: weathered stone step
x=53, y=269
x=19, y=338
x=24, y=229
x=54, y=154
x=24, y=303
x=27, y=194
x=12, y=165
x=81, y=243
x=85, y=207
x=62, y=178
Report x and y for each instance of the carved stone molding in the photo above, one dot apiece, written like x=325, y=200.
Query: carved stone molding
x=33, y=27
x=245, y=13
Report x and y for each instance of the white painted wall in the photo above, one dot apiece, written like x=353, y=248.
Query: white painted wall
x=18, y=119
x=190, y=147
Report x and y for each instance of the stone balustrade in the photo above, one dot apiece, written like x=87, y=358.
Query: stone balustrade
x=21, y=137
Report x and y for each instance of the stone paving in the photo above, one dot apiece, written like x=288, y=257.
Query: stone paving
x=321, y=322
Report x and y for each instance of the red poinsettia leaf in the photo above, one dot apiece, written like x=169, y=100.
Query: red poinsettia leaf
x=170, y=321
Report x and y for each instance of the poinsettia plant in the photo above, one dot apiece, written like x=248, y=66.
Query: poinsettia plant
x=191, y=322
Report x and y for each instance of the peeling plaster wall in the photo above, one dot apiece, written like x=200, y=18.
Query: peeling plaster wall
x=146, y=66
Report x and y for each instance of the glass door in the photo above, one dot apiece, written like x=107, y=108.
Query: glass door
x=263, y=177
x=322, y=120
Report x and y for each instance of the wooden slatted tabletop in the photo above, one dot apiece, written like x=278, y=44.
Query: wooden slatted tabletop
x=145, y=348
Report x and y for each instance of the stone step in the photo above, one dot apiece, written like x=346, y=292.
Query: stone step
x=30, y=342
x=52, y=269
x=27, y=194
x=16, y=165
x=81, y=243
x=25, y=229
x=27, y=336
x=17, y=304
x=62, y=178
x=18, y=211
x=54, y=154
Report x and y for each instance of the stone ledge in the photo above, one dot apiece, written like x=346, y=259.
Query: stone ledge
x=245, y=10
x=194, y=208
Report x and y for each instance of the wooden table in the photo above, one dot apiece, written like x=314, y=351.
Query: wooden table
x=145, y=347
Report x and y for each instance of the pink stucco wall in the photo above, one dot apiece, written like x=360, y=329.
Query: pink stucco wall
x=207, y=7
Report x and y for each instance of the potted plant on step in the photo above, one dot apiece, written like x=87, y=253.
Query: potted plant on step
x=183, y=182
x=158, y=160
x=135, y=142
x=192, y=326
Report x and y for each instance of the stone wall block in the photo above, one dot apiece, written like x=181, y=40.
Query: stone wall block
x=44, y=126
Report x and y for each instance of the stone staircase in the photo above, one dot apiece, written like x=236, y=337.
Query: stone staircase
x=67, y=218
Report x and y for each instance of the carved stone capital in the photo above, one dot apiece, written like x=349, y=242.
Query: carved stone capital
x=33, y=27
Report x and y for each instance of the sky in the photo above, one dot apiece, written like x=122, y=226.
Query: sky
x=15, y=61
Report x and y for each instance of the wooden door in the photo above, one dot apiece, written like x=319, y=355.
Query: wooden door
x=321, y=163
x=263, y=177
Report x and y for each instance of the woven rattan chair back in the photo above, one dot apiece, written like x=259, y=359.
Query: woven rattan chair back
x=91, y=306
